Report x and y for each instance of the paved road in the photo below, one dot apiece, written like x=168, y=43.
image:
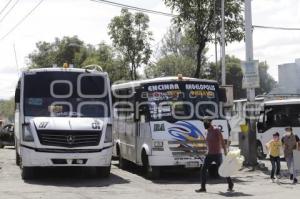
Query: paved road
x=80, y=184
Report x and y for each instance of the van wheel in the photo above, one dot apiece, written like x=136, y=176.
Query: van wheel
x=18, y=159
x=103, y=172
x=122, y=162
x=260, y=151
x=27, y=173
x=152, y=172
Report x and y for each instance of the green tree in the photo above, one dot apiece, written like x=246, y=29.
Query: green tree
x=234, y=76
x=177, y=55
x=7, y=109
x=110, y=62
x=131, y=37
x=66, y=50
x=202, y=20
x=171, y=65
x=74, y=51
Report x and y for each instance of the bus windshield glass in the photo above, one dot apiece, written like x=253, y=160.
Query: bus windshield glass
x=282, y=115
x=65, y=94
x=181, y=100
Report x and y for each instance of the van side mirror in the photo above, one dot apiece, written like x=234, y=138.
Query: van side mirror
x=259, y=125
x=17, y=96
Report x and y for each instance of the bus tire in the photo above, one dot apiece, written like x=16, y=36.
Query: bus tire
x=152, y=172
x=27, y=173
x=18, y=158
x=260, y=151
x=1, y=145
x=122, y=162
x=103, y=172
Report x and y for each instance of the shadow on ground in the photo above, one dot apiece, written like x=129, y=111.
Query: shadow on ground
x=178, y=176
x=234, y=194
x=73, y=177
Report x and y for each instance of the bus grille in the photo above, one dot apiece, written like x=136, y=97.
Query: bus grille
x=69, y=138
x=188, y=148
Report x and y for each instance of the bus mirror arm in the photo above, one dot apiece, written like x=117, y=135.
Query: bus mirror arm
x=26, y=124
x=260, y=126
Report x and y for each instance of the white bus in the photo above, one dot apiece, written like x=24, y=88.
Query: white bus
x=238, y=116
x=63, y=119
x=275, y=116
x=157, y=122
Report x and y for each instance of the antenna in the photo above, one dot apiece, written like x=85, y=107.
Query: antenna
x=16, y=58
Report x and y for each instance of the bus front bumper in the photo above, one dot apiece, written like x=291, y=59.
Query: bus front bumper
x=46, y=158
x=185, y=161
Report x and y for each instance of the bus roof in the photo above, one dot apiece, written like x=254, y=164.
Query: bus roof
x=282, y=102
x=157, y=80
x=79, y=70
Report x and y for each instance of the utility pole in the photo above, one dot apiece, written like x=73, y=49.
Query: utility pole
x=223, y=42
x=251, y=153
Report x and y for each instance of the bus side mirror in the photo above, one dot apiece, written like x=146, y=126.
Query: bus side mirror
x=259, y=126
x=17, y=96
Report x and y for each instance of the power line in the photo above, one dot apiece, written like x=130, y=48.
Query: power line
x=275, y=28
x=2, y=10
x=173, y=15
x=134, y=8
x=11, y=8
x=22, y=20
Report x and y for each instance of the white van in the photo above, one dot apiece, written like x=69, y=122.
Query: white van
x=63, y=118
x=275, y=116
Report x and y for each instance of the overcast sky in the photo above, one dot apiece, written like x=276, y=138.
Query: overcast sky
x=89, y=20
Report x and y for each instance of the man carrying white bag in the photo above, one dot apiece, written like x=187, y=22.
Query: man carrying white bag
x=215, y=144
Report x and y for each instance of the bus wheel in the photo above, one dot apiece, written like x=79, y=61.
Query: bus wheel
x=27, y=173
x=1, y=146
x=18, y=159
x=152, y=172
x=260, y=151
x=122, y=161
x=103, y=172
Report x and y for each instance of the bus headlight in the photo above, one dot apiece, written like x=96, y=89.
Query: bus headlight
x=108, y=134
x=27, y=134
x=158, y=144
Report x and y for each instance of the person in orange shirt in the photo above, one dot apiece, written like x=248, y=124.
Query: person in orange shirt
x=274, y=147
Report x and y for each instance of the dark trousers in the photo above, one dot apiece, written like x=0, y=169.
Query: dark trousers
x=275, y=161
x=217, y=158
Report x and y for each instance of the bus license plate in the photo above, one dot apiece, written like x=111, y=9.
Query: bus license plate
x=192, y=164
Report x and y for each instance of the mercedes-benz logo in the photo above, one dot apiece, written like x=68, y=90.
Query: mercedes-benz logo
x=70, y=139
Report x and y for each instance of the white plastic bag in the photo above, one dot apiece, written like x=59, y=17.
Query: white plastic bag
x=232, y=163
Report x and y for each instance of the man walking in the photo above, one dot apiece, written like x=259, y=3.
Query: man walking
x=290, y=143
x=215, y=144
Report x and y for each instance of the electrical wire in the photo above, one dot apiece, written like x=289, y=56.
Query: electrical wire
x=173, y=15
x=134, y=8
x=3, y=9
x=22, y=20
x=275, y=28
x=11, y=8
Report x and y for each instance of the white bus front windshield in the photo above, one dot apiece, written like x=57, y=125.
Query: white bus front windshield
x=282, y=116
x=173, y=101
x=65, y=94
